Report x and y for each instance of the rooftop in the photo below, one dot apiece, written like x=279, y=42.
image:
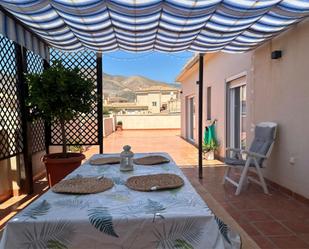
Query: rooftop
x=158, y=88
x=128, y=105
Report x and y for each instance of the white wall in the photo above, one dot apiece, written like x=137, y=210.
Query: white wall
x=277, y=90
x=281, y=94
x=142, y=99
x=108, y=126
x=189, y=88
x=154, y=97
x=6, y=179
x=217, y=71
x=10, y=173
x=150, y=121
x=160, y=97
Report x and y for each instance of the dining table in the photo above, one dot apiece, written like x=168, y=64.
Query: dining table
x=120, y=217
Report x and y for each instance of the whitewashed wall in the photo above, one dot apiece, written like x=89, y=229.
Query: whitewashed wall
x=150, y=121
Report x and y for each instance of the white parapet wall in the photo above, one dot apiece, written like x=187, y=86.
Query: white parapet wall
x=108, y=125
x=150, y=121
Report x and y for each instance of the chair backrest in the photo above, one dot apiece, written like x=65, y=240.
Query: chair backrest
x=264, y=138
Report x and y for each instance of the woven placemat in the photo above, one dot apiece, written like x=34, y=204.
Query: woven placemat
x=105, y=160
x=154, y=182
x=151, y=160
x=89, y=185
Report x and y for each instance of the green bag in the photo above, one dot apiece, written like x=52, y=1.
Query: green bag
x=210, y=139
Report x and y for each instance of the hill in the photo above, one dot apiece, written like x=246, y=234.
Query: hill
x=122, y=86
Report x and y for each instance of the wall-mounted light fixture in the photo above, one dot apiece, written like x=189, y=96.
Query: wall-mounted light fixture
x=277, y=54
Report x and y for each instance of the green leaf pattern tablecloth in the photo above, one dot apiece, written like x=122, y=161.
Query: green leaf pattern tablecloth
x=120, y=218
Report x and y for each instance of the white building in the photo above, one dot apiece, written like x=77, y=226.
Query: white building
x=159, y=99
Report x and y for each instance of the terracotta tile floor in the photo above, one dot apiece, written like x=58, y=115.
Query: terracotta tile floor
x=168, y=141
x=273, y=221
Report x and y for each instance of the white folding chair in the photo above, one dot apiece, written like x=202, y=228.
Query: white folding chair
x=258, y=153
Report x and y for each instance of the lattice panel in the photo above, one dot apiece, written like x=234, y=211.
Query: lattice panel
x=11, y=142
x=84, y=129
x=34, y=62
x=38, y=135
x=35, y=65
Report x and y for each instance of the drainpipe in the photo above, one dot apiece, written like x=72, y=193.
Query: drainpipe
x=200, y=116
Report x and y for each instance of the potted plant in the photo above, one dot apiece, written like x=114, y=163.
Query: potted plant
x=60, y=94
x=119, y=126
x=106, y=111
x=210, y=144
x=209, y=151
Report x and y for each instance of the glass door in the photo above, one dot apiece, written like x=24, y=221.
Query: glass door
x=190, y=118
x=236, y=116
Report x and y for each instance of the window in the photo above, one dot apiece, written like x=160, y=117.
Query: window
x=208, y=103
x=154, y=103
x=163, y=107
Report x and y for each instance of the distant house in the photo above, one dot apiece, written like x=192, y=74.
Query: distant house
x=159, y=99
x=127, y=108
x=116, y=99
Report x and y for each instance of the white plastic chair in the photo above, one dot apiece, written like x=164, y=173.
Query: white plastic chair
x=258, y=153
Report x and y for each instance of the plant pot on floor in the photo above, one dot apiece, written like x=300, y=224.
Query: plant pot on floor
x=210, y=155
x=59, y=165
x=119, y=127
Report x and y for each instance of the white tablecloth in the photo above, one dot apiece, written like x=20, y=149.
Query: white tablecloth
x=120, y=218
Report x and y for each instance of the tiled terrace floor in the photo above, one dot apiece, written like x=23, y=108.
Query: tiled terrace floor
x=275, y=221
x=183, y=153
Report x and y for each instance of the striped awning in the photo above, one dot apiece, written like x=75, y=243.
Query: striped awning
x=169, y=26
x=25, y=37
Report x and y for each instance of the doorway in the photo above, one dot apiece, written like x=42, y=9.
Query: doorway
x=190, y=118
x=236, y=113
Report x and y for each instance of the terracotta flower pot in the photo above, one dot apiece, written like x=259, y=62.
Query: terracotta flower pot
x=119, y=127
x=59, y=165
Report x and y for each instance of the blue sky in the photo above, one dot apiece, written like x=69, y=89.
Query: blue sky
x=154, y=65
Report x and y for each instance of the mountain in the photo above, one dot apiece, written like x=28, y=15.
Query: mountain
x=122, y=86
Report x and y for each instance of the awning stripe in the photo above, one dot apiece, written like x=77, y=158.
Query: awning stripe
x=141, y=25
x=16, y=32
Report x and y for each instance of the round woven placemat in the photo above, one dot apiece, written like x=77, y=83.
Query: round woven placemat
x=151, y=160
x=105, y=160
x=89, y=185
x=154, y=182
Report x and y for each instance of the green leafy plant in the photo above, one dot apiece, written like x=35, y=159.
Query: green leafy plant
x=210, y=147
x=106, y=111
x=60, y=94
x=76, y=148
x=119, y=123
x=210, y=139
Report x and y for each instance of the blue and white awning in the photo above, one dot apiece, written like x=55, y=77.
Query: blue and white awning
x=169, y=26
x=25, y=37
